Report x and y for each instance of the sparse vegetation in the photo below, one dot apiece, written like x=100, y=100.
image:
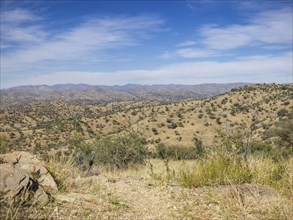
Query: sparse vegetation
x=224, y=157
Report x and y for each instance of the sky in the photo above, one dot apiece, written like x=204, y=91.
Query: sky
x=119, y=42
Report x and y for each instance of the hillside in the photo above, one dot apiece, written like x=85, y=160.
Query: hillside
x=51, y=124
x=82, y=93
x=131, y=176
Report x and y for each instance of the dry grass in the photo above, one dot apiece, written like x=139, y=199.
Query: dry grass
x=218, y=170
x=234, y=202
x=278, y=175
x=63, y=170
x=155, y=191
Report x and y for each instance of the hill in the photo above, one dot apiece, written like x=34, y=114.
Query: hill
x=51, y=124
x=239, y=163
x=82, y=93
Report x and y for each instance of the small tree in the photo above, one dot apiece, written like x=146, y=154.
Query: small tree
x=283, y=131
x=199, y=147
x=120, y=150
x=83, y=152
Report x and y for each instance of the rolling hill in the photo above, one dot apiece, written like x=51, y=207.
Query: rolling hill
x=45, y=124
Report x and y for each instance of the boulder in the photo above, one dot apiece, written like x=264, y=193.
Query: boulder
x=24, y=177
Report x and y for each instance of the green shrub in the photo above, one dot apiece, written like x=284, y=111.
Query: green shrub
x=120, y=150
x=78, y=143
x=173, y=125
x=178, y=152
x=259, y=147
x=283, y=133
x=155, y=131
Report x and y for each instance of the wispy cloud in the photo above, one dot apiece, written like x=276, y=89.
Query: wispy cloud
x=246, y=69
x=21, y=26
x=271, y=30
x=195, y=53
x=267, y=28
x=35, y=51
x=186, y=43
x=83, y=42
x=191, y=52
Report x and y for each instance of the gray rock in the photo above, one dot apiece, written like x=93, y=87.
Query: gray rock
x=23, y=177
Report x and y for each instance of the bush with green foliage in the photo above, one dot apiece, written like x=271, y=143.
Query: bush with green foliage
x=178, y=152
x=283, y=133
x=78, y=143
x=121, y=150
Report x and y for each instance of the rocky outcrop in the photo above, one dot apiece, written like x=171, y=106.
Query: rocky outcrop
x=23, y=177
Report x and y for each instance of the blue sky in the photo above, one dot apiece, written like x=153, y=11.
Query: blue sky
x=145, y=42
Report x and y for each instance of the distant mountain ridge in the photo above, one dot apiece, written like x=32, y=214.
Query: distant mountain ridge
x=101, y=93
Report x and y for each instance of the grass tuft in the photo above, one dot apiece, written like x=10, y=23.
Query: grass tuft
x=220, y=169
x=63, y=169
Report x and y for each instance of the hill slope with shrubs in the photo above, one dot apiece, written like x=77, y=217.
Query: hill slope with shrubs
x=251, y=111
x=225, y=157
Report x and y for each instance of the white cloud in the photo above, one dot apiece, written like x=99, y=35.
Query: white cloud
x=248, y=69
x=190, y=53
x=194, y=53
x=186, y=43
x=267, y=28
x=83, y=42
x=270, y=30
x=166, y=55
x=21, y=26
x=18, y=16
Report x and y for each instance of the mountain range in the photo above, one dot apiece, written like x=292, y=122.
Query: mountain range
x=101, y=93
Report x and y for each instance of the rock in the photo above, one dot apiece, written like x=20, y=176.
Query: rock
x=24, y=177
x=31, y=164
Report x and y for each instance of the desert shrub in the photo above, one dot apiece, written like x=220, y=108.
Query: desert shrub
x=199, y=148
x=283, y=133
x=82, y=151
x=218, y=120
x=155, y=131
x=161, y=151
x=266, y=150
x=233, y=143
x=173, y=125
x=168, y=120
x=178, y=152
x=121, y=150
x=282, y=112
x=78, y=143
x=260, y=147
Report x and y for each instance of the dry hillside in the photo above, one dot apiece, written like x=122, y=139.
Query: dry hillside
x=51, y=124
x=224, y=179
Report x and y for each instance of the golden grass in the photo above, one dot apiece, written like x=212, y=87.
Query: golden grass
x=112, y=194
x=63, y=170
x=278, y=175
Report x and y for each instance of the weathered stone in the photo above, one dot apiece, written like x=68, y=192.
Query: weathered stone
x=23, y=177
x=32, y=165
